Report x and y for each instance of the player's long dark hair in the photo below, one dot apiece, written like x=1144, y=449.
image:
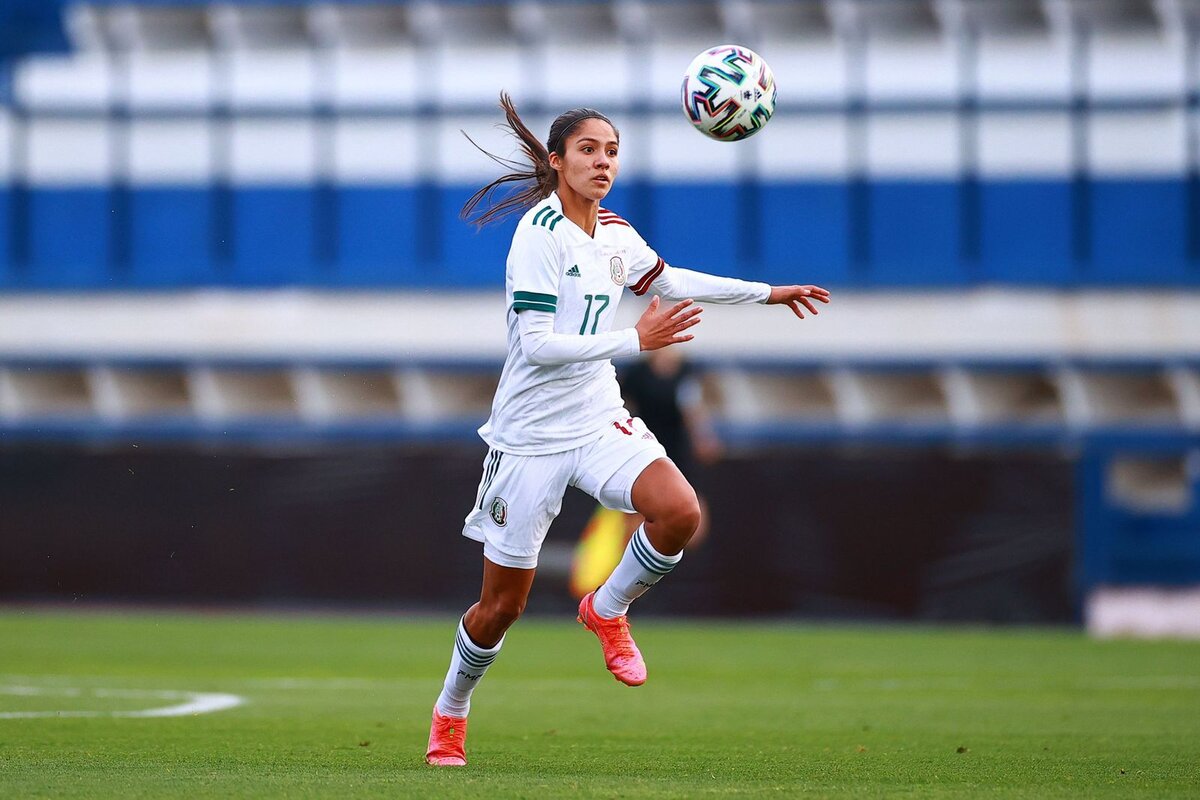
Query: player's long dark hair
x=538, y=173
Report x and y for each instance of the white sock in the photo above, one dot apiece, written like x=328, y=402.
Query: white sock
x=468, y=662
x=641, y=567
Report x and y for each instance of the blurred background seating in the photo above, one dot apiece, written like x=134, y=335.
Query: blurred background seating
x=237, y=222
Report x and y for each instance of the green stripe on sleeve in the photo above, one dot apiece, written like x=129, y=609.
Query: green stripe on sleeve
x=541, y=216
x=536, y=297
x=557, y=220
x=525, y=305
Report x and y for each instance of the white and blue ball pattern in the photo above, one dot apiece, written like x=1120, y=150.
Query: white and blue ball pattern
x=729, y=93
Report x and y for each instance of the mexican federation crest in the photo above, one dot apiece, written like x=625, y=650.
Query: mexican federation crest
x=499, y=511
x=616, y=268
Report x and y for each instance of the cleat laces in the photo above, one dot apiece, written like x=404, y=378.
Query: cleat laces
x=624, y=640
x=448, y=730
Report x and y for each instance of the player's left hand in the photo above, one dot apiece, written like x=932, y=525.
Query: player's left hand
x=795, y=296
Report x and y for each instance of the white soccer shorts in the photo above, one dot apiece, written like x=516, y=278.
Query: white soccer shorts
x=519, y=496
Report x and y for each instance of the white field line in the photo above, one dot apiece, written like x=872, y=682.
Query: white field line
x=193, y=702
x=279, y=682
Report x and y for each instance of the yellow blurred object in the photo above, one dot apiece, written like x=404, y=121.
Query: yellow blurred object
x=598, y=552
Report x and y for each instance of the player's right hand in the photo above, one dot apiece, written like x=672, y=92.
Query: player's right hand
x=657, y=329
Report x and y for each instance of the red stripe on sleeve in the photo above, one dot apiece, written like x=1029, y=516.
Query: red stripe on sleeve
x=641, y=286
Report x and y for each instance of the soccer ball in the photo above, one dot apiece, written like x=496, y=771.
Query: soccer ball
x=728, y=93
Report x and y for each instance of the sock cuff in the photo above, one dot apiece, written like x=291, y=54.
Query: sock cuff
x=648, y=557
x=470, y=651
x=446, y=710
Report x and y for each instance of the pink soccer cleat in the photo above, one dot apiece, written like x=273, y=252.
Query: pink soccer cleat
x=621, y=655
x=447, y=741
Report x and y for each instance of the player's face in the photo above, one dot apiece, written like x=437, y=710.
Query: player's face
x=589, y=163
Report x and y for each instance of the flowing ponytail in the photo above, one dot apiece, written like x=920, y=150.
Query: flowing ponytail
x=543, y=179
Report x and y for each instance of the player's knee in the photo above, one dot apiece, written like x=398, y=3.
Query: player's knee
x=688, y=512
x=503, y=611
x=683, y=513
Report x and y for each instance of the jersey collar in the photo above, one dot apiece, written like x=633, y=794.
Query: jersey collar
x=556, y=201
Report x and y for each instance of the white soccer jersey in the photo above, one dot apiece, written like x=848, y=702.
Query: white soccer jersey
x=557, y=271
x=554, y=266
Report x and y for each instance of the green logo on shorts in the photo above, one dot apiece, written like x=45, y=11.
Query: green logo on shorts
x=499, y=511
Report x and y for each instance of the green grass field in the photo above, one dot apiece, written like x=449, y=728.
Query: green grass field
x=339, y=707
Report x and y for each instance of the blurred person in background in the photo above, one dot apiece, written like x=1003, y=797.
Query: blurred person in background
x=663, y=389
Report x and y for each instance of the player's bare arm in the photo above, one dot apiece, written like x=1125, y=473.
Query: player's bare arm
x=795, y=296
x=666, y=327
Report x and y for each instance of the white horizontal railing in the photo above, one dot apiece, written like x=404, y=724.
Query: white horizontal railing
x=783, y=400
x=996, y=360
x=993, y=325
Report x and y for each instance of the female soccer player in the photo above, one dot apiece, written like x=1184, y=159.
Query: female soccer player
x=557, y=418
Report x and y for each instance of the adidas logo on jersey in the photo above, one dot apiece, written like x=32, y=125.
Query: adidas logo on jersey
x=573, y=272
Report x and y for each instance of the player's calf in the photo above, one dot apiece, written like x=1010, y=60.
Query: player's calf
x=468, y=663
x=641, y=567
x=669, y=504
x=492, y=616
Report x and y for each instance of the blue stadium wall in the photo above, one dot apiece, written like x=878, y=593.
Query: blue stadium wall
x=166, y=200
x=882, y=233
x=1071, y=163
